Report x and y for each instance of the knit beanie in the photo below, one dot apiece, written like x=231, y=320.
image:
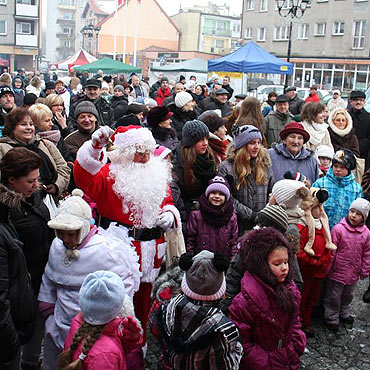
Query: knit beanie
x=193, y=131
x=286, y=192
x=162, y=152
x=325, y=151
x=5, y=89
x=182, y=98
x=361, y=205
x=213, y=121
x=346, y=158
x=104, y=85
x=273, y=216
x=204, y=277
x=101, y=297
x=164, y=78
x=120, y=88
x=297, y=176
x=73, y=214
x=244, y=135
x=86, y=107
x=218, y=183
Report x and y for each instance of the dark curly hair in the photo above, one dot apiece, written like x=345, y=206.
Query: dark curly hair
x=12, y=119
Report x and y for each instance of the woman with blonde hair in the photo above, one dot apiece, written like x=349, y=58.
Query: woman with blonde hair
x=248, y=169
x=313, y=121
x=42, y=119
x=35, y=86
x=56, y=105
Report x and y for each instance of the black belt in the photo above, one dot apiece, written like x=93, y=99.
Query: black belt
x=143, y=235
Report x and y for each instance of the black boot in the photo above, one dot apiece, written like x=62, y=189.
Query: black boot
x=366, y=297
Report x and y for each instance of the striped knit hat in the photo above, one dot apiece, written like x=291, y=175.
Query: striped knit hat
x=286, y=192
x=273, y=216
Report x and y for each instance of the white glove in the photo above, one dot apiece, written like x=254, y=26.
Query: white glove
x=165, y=220
x=101, y=136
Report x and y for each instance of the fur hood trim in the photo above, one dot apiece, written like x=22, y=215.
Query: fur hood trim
x=10, y=198
x=334, y=128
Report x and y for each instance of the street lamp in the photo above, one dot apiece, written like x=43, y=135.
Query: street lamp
x=296, y=9
x=90, y=32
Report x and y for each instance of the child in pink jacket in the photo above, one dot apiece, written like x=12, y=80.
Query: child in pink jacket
x=99, y=336
x=351, y=261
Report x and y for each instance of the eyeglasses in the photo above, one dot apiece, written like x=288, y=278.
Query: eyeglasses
x=58, y=105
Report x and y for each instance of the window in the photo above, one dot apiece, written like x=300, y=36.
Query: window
x=281, y=33
x=264, y=5
x=250, y=4
x=26, y=2
x=219, y=44
x=338, y=28
x=302, y=32
x=23, y=28
x=68, y=31
x=220, y=25
x=67, y=43
x=236, y=27
x=248, y=33
x=3, y=2
x=320, y=29
x=68, y=15
x=261, y=34
x=358, y=34
x=3, y=28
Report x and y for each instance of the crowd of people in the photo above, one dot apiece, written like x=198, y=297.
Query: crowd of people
x=215, y=222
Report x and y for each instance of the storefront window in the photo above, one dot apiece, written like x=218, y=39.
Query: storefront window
x=362, y=67
x=348, y=80
x=298, y=77
x=316, y=79
x=326, y=80
x=361, y=81
x=337, y=80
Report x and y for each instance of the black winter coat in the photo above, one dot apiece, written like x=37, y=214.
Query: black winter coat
x=105, y=114
x=179, y=119
x=17, y=299
x=361, y=124
x=118, y=105
x=30, y=221
x=211, y=104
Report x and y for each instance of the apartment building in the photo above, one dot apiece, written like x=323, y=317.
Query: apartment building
x=330, y=44
x=64, y=23
x=208, y=29
x=20, y=36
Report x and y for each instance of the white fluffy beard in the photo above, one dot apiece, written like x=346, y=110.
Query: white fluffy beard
x=142, y=188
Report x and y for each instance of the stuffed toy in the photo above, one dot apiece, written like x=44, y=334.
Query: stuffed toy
x=317, y=198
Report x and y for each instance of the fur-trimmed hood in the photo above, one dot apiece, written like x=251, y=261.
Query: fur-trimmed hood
x=334, y=128
x=10, y=198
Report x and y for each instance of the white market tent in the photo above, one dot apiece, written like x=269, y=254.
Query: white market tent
x=80, y=58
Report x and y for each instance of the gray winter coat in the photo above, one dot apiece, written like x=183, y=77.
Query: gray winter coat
x=282, y=161
x=275, y=122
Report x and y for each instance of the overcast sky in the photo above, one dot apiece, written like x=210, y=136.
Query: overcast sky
x=172, y=6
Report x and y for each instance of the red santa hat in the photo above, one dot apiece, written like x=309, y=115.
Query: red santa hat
x=125, y=136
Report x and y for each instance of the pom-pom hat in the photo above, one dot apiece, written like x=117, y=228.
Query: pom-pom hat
x=204, y=278
x=245, y=134
x=73, y=214
x=101, y=297
x=286, y=192
x=133, y=135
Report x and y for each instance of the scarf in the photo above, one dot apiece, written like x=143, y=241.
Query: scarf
x=318, y=224
x=204, y=167
x=61, y=91
x=216, y=216
x=52, y=135
x=48, y=173
x=219, y=148
x=317, y=131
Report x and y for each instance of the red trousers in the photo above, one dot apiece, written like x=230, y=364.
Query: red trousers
x=310, y=296
x=142, y=305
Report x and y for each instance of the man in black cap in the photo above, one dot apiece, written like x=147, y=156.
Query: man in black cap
x=93, y=91
x=295, y=104
x=49, y=89
x=219, y=101
x=275, y=121
x=6, y=102
x=361, y=122
x=239, y=98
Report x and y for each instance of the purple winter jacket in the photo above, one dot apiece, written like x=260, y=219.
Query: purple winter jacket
x=272, y=338
x=201, y=235
x=352, y=258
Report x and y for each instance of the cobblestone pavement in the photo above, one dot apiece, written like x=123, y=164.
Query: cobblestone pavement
x=348, y=349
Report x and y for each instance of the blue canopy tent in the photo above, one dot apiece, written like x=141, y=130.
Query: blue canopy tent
x=250, y=58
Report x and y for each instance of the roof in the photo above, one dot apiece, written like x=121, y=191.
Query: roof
x=108, y=65
x=78, y=59
x=100, y=7
x=192, y=65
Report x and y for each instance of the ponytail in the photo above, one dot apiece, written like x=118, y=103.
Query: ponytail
x=88, y=334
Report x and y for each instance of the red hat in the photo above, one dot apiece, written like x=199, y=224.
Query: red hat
x=129, y=135
x=294, y=128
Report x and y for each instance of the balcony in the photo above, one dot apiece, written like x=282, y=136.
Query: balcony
x=26, y=40
x=214, y=32
x=25, y=10
x=66, y=22
x=64, y=36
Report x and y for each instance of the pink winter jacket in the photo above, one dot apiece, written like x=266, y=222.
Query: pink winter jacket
x=352, y=258
x=107, y=352
x=272, y=338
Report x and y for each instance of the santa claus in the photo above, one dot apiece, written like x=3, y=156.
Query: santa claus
x=132, y=195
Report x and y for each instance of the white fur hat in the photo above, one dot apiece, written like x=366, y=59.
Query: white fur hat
x=73, y=214
x=325, y=151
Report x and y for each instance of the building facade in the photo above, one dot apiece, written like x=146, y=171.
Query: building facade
x=330, y=44
x=20, y=33
x=203, y=31
x=64, y=23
